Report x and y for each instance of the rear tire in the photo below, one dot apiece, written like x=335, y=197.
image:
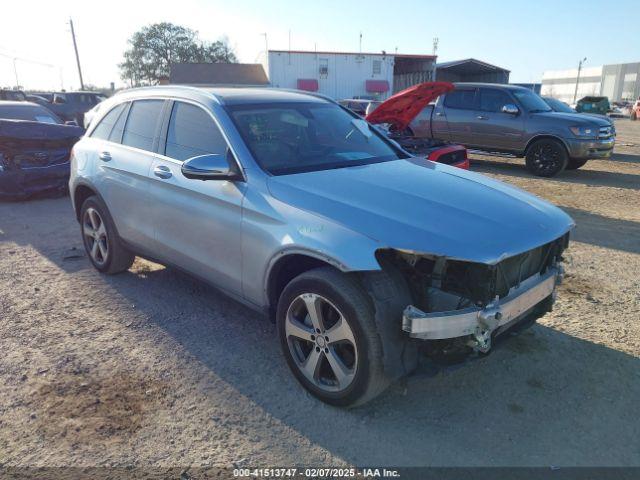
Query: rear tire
x=348, y=366
x=574, y=163
x=100, y=237
x=546, y=157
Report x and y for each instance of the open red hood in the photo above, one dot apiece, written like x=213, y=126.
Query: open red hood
x=404, y=106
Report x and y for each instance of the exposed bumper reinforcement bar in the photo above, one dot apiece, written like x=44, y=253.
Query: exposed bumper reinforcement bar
x=480, y=323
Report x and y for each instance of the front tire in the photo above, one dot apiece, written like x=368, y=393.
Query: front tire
x=546, y=157
x=574, y=163
x=100, y=237
x=327, y=333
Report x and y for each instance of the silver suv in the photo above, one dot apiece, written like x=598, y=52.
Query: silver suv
x=363, y=255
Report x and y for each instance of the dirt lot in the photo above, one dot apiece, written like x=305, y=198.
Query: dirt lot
x=153, y=368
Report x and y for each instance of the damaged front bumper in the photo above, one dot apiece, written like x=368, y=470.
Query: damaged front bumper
x=480, y=323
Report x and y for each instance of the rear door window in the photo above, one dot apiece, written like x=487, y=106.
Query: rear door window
x=103, y=129
x=141, y=124
x=461, y=99
x=492, y=100
x=192, y=132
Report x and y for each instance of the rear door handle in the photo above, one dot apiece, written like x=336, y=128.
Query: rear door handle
x=482, y=117
x=439, y=114
x=105, y=156
x=162, y=172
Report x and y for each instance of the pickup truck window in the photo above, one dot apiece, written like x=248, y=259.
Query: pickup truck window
x=462, y=99
x=531, y=101
x=492, y=100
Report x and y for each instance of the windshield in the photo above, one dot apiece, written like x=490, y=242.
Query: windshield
x=558, y=106
x=532, y=102
x=291, y=137
x=31, y=113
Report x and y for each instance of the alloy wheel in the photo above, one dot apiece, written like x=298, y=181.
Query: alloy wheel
x=321, y=342
x=95, y=236
x=547, y=158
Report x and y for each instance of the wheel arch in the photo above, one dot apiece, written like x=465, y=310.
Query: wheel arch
x=286, y=266
x=80, y=193
x=546, y=136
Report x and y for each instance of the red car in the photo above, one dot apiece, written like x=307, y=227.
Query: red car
x=635, y=110
x=398, y=111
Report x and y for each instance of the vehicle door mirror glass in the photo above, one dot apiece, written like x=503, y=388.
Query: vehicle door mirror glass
x=510, y=108
x=208, y=167
x=59, y=100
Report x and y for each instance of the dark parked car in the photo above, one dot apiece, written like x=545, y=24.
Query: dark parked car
x=73, y=105
x=14, y=95
x=515, y=120
x=35, y=147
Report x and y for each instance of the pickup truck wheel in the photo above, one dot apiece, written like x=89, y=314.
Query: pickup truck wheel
x=327, y=332
x=575, y=163
x=100, y=238
x=546, y=157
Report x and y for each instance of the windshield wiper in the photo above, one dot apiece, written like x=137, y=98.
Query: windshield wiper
x=539, y=110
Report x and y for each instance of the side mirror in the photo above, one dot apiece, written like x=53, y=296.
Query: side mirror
x=511, y=109
x=73, y=123
x=59, y=100
x=209, y=167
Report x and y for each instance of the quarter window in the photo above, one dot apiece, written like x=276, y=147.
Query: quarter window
x=141, y=124
x=192, y=132
x=460, y=99
x=492, y=100
x=118, y=128
x=103, y=129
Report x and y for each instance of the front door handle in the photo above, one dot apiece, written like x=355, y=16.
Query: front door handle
x=482, y=117
x=439, y=114
x=105, y=156
x=162, y=172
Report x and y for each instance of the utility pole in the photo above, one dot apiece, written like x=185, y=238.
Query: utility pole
x=15, y=71
x=575, y=93
x=75, y=47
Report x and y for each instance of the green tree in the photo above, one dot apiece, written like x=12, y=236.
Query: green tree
x=155, y=47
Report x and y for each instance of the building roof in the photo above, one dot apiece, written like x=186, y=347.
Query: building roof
x=210, y=74
x=469, y=66
x=379, y=54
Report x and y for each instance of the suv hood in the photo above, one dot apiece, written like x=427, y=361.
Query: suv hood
x=425, y=207
x=576, y=118
x=404, y=106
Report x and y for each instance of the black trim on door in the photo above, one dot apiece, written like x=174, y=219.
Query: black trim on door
x=160, y=140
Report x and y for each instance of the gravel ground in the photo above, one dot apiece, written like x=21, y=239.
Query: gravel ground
x=152, y=367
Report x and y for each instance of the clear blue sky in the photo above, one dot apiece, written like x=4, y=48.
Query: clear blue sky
x=526, y=37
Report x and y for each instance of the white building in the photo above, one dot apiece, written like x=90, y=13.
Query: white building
x=561, y=84
x=342, y=75
x=617, y=82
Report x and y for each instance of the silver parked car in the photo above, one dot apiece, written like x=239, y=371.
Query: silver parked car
x=363, y=255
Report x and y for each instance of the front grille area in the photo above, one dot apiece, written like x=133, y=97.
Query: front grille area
x=606, y=132
x=481, y=283
x=451, y=158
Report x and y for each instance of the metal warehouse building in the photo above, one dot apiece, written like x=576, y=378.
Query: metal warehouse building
x=471, y=70
x=618, y=82
x=341, y=75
